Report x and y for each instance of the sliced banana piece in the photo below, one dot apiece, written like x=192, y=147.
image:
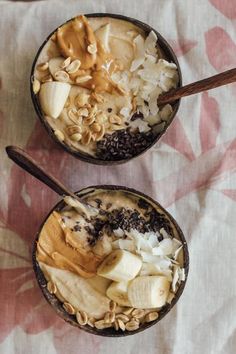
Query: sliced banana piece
x=120, y=265
x=53, y=96
x=77, y=291
x=99, y=283
x=148, y=291
x=102, y=33
x=118, y=292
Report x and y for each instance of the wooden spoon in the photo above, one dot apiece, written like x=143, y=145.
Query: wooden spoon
x=227, y=77
x=24, y=160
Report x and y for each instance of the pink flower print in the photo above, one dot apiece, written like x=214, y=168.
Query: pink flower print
x=220, y=49
x=231, y=193
x=209, y=122
x=226, y=7
x=203, y=170
x=182, y=46
x=178, y=140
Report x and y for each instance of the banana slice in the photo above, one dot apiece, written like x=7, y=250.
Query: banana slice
x=77, y=291
x=102, y=34
x=148, y=291
x=99, y=283
x=119, y=266
x=53, y=96
x=118, y=292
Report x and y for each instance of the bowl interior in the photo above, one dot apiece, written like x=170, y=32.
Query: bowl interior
x=111, y=332
x=167, y=52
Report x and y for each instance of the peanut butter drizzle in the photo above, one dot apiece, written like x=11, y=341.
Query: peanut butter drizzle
x=54, y=249
x=73, y=40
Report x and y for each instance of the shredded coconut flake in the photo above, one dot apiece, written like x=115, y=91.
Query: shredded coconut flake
x=141, y=125
x=176, y=254
x=119, y=232
x=166, y=112
x=175, y=278
x=150, y=43
x=153, y=119
x=170, y=298
x=125, y=112
x=139, y=53
x=182, y=274
x=164, y=233
x=127, y=245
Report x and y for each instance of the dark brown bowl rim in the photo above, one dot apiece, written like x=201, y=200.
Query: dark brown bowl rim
x=57, y=306
x=164, y=45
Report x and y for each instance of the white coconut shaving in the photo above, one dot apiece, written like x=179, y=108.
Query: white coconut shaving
x=150, y=43
x=170, y=297
x=141, y=125
x=148, y=77
x=139, y=53
x=127, y=245
x=119, y=232
x=125, y=112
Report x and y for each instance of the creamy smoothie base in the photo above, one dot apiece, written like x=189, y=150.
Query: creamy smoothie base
x=118, y=269
x=98, y=80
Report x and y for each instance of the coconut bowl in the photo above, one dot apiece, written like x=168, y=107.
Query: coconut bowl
x=167, y=52
x=111, y=332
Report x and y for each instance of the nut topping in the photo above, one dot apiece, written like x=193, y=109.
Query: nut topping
x=82, y=318
x=47, y=78
x=36, y=86
x=91, y=321
x=51, y=287
x=92, y=48
x=152, y=316
x=102, y=325
x=122, y=317
x=121, y=325
x=66, y=62
x=42, y=67
x=76, y=137
x=114, y=119
x=82, y=79
x=138, y=313
x=132, y=326
x=73, y=67
x=89, y=120
x=109, y=317
x=83, y=112
x=112, y=305
x=60, y=136
x=72, y=129
x=86, y=138
x=95, y=127
x=62, y=76
x=82, y=99
x=69, y=308
x=101, y=133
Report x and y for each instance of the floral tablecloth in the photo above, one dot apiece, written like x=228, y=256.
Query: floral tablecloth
x=191, y=171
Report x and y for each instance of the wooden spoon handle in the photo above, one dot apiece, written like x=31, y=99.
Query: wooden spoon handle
x=21, y=158
x=209, y=83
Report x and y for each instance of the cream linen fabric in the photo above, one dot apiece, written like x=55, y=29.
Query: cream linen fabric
x=191, y=171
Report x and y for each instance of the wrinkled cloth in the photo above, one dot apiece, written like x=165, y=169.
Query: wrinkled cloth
x=190, y=171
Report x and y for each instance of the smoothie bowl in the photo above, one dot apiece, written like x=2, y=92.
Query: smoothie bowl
x=115, y=274
x=95, y=83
